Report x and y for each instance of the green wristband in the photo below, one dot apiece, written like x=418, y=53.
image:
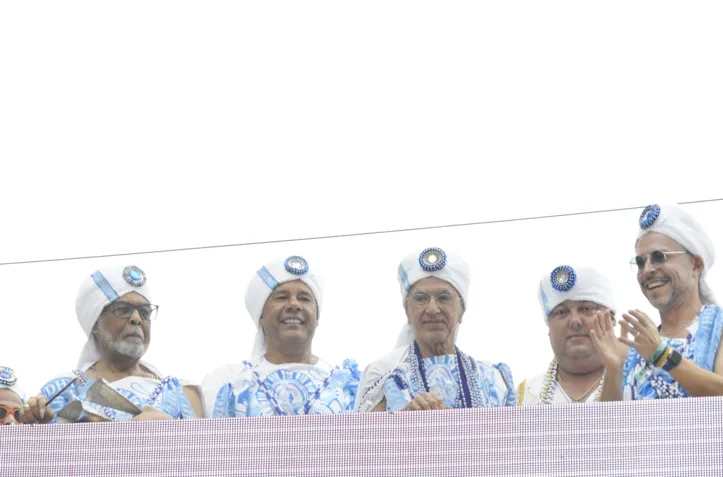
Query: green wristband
x=658, y=353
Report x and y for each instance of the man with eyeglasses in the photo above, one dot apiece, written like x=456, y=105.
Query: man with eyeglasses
x=427, y=371
x=114, y=309
x=11, y=397
x=681, y=357
x=571, y=299
x=283, y=376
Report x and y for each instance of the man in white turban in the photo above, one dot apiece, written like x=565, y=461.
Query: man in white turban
x=570, y=298
x=11, y=397
x=114, y=309
x=427, y=371
x=283, y=376
x=681, y=357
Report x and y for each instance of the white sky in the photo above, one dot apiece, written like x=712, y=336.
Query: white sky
x=139, y=126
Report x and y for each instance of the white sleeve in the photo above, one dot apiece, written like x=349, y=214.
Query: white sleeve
x=371, y=385
x=214, y=382
x=371, y=389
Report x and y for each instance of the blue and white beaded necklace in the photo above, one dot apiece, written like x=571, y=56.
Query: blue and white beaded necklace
x=468, y=397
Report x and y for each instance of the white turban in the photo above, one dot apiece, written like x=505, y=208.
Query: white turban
x=265, y=281
x=8, y=380
x=100, y=289
x=575, y=284
x=430, y=262
x=682, y=227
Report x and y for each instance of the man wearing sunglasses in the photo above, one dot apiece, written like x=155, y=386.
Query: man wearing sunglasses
x=681, y=357
x=283, y=376
x=571, y=298
x=11, y=397
x=114, y=309
x=427, y=371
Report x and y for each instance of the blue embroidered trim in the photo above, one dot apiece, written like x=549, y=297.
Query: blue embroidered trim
x=105, y=287
x=506, y=372
x=708, y=336
x=267, y=278
x=545, y=305
x=404, y=278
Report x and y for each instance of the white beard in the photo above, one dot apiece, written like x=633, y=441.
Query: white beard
x=131, y=348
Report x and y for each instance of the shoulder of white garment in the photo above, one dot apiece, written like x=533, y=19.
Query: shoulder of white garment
x=370, y=385
x=219, y=377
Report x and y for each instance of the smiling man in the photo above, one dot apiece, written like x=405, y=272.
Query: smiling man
x=427, y=371
x=681, y=357
x=283, y=376
x=114, y=308
x=571, y=299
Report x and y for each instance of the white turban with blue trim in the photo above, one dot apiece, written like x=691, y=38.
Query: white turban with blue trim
x=265, y=281
x=8, y=380
x=566, y=283
x=100, y=289
x=430, y=262
x=679, y=225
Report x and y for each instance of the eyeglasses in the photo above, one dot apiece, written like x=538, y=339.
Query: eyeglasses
x=123, y=309
x=657, y=257
x=420, y=300
x=6, y=411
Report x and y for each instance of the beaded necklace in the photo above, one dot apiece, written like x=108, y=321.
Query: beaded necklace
x=469, y=395
x=547, y=393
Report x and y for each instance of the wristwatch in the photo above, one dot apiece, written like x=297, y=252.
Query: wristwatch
x=672, y=361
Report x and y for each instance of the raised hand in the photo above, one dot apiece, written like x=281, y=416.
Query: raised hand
x=613, y=351
x=646, y=337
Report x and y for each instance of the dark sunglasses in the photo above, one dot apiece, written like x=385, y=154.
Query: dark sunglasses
x=657, y=257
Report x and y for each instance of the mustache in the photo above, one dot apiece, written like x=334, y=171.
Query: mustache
x=126, y=333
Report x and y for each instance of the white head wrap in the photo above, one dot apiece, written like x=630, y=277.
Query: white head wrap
x=679, y=225
x=8, y=380
x=430, y=262
x=100, y=289
x=574, y=284
x=265, y=281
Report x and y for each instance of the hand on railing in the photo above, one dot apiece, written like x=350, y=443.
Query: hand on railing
x=149, y=413
x=425, y=402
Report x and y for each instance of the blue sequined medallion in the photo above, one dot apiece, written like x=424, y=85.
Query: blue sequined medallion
x=7, y=376
x=563, y=278
x=432, y=259
x=649, y=215
x=134, y=276
x=296, y=265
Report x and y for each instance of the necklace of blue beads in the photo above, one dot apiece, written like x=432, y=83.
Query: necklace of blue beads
x=468, y=396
